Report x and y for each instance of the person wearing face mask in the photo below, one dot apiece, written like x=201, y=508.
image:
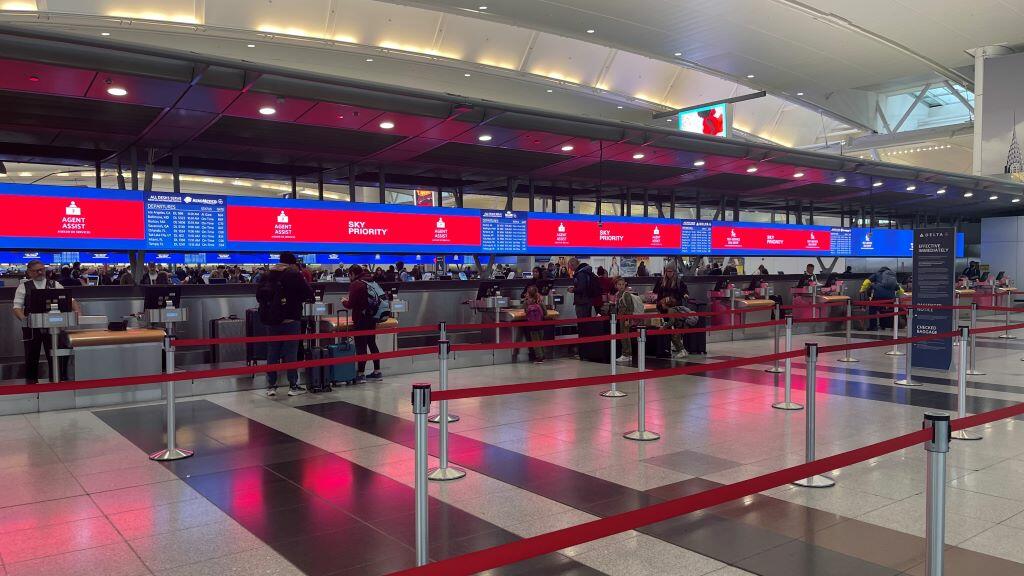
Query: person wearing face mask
x=35, y=338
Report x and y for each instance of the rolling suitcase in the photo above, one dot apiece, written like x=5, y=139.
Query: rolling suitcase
x=342, y=373
x=316, y=376
x=594, y=351
x=254, y=351
x=230, y=327
x=697, y=342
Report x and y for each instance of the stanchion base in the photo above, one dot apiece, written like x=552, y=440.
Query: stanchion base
x=1007, y=336
x=816, y=482
x=964, y=435
x=644, y=436
x=167, y=455
x=847, y=359
x=613, y=394
x=774, y=370
x=905, y=382
x=445, y=474
x=787, y=406
x=975, y=373
x=895, y=353
x=434, y=419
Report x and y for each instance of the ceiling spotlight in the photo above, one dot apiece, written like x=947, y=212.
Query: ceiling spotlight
x=590, y=31
x=638, y=156
x=968, y=194
x=798, y=175
x=840, y=180
x=467, y=74
x=549, y=90
x=268, y=110
x=482, y=137
x=678, y=54
x=877, y=185
x=911, y=188
x=33, y=78
x=799, y=93
x=698, y=163
x=993, y=197
x=567, y=148
x=619, y=107
x=482, y=8
x=116, y=91
x=369, y=59
x=104, y=33
x=750, y=76
x=1015, y=200
x=940, y=191
x=250, y=45
x=387, y=125
x=752, y=169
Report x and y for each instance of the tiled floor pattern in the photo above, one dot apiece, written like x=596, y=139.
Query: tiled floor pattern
x=80, y=497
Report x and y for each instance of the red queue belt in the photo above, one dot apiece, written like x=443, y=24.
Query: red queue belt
x=189, y=342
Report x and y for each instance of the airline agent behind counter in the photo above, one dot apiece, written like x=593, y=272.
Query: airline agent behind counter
x=35, y=338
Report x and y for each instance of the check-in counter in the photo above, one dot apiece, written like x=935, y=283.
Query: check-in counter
x=723, y=304
x=116, y=353
x=752, y=311
x=804, y=297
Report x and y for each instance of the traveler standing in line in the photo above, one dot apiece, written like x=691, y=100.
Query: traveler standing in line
x=35, y=338
x=533, y=306
x=626, y=303
x=280, y=294
x=641, y=270
x=365, y=300
x=670, y=285
x=585, y=288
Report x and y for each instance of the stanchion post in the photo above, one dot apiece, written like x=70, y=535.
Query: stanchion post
x=420, y=407
x=641, y=434
x=614, y=391
x=849, y=315
x=442, y=374
x=972, y=368
x=1006, y=320
x=787, y=403
x=811, y=357
x=775, y=369
x=172, y=452
x=444, y=472
x=908, y=379
x=961, y=387
x=895, y=329
x=935, y=492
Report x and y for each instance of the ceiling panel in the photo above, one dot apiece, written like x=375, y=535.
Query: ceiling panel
x=37, y=77
x=566, y=59
x=486, y=42
x=610, y=170
x=735, y=182
x=389, y=25
x=295, y=17
x=487, y=158
x=284, y=136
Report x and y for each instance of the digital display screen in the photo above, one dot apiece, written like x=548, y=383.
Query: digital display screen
x=579, y=234
x=185, y=221
x=709, y=120
x=743, y=238
x=504, y=231
x=273, y=224
x=62, y=217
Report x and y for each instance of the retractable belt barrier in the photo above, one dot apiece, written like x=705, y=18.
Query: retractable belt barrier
x=815, y=305
x=184, y=343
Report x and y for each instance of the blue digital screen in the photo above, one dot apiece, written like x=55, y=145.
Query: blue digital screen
x=185, y=221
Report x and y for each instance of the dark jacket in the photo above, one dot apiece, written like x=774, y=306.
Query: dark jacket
x=884, y=285
x=296, y=290
x=585, y=286
x=663, y=290
x=358, y=296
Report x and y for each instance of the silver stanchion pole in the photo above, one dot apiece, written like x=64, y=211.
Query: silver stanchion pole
x=787, y=403
x=614, y=392
x=961, y=388
x=849, y=314
x=776, y=369
x=641, y=433
x=818, y=481
x=908, y=379
x=972, y=368
x=442, y=374
x=895, y=330
x=1006, y=320
x=172, y=452
x=935, y=492
x=444, y=472
x=420, y=407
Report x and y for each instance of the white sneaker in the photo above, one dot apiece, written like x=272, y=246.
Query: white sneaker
x=296, y=391
x=624, y=360
x=271, y=392
x=681, y=354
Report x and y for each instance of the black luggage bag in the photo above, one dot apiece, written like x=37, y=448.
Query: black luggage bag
x=254, y=351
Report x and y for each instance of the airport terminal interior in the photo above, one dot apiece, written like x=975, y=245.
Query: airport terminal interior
x=511, y=287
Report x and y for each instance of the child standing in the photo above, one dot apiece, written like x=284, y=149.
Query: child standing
x=626, y=303
x=533, y=305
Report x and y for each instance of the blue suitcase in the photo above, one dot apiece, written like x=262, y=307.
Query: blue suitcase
x=345, y=372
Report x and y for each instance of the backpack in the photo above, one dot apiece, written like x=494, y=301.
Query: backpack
x=534, y=312
x=630, y=303
x=272, y=300
x=377, y=307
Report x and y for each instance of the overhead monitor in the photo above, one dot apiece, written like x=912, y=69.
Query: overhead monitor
x=583, y=235
x=713, y=120
x=65, y=217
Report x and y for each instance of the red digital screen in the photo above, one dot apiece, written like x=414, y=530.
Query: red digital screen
x=592, y=235
x=741, y=238
x=72, y=217
x=318, y=226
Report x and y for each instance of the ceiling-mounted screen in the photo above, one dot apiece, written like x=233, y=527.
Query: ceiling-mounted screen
x=63, y=217
x=579, y=234
x=708, y=120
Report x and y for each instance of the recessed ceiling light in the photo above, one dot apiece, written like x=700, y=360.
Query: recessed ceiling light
x=993, y=197
x=752, y=169
x=940, y=191
x=590, y=30
x=911, y=188
x=482, y=8
x=116, y=91
x=877, y=184
x=750, y=76
x=619, y=107
x=104, y=33
x=567, y=148
x=698, y=163
x=369, y=59
x=341, y=116
x=387, y=125
x=678, y=54
x=250, y=45
x=968, y=194
x=798, y=175
x=484, y=138
x=638, y=156
x=1015, y=200
x=799, y=93
x=267, y=110
x=467, y=74
x=549, y=90
x=840, y=180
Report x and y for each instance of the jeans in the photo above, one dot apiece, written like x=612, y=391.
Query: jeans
x=366, y=344
x=536, y=335
x=874, y=323
x=283, y=351
x=584, y=310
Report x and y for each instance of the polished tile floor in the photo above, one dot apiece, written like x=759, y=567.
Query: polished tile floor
x=322, y=484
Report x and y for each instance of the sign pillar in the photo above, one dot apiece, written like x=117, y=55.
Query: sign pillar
x=934, y=274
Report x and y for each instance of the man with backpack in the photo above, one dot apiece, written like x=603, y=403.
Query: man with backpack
x=366, y=300
x=280, y=295
x=586, y=289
